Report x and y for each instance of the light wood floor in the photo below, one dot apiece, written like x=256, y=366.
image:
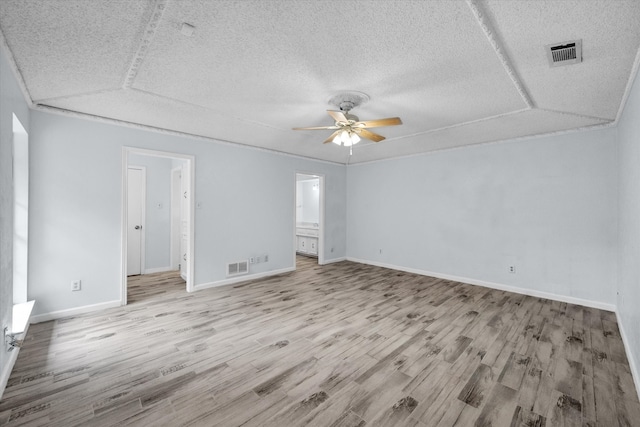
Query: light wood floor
x=338, y=345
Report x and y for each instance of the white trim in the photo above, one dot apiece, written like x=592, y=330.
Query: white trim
x=530, y=292
x=627, y=89
x=190, y=167
x=244, y=278
x=16, y=72
x=321, y=232
x=131, y=125
x=627, y=348
x=588, y=128
x=174, y=248
x=158, y=270
x=124, y=215
x=8, y=367
x=333, y=260
x=45, y=317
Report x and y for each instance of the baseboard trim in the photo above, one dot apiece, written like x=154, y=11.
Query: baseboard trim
x=530, y=292
x=332, y=260
x=627, y=346
x=243, y=278
x=39, y=318
x=157, y=270
x=8, y=367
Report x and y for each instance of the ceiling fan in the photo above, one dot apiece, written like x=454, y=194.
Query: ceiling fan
x=348, y=127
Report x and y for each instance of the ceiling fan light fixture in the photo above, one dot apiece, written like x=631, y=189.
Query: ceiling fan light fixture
x=354, y=138
x=344, y=137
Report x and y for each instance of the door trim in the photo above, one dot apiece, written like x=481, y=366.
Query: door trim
x=143, y=213
x=191, y=167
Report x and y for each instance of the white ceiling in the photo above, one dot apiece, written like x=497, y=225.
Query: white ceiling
x=456, y=72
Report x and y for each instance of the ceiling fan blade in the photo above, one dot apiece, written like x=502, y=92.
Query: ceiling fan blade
x=330, y=139
x=369, y=135
x=317, y=128
x=391, y=121
x=338, y=116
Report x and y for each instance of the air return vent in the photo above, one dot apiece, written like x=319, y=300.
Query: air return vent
x=564, y=53
x=237, y=268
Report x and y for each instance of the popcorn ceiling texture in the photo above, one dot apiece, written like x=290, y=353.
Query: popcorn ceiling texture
x=456, y=72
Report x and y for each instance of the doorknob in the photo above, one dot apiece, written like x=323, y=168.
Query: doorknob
x=138, y=227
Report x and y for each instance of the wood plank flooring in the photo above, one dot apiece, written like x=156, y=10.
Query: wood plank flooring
x=338, y=345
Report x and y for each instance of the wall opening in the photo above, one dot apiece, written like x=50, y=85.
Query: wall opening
x=309, y=216
x=20, y=211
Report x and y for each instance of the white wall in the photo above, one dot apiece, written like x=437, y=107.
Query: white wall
x=157, y=210
x=546, y=205
x=246, y=198
x=11, y=102
x=628, y=299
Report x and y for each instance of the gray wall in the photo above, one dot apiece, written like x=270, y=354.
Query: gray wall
x=157, y=210
x=628, y=300
x=11, y=102
x=547, y=205
x=246, y=198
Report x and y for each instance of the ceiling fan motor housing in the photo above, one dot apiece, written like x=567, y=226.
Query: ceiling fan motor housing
x=346, y=101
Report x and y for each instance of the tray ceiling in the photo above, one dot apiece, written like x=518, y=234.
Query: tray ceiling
x=456, y=72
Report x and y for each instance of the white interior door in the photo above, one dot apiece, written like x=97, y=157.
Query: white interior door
x=184, y=224
x=176, y=209
x=135, y=220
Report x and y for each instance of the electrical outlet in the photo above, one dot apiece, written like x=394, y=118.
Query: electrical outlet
x=266, y=257
x=76, y=285
x=512, y=269
x=252, y=260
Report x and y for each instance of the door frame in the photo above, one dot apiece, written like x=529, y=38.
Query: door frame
x=143, y=213
x=321, y=222
x=175, y=248
x=191, y=167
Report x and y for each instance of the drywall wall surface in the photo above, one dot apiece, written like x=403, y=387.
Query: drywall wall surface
x=546, y=206
x=11, y=102
x=157, y=210
x=246, y=200
x=628, y=298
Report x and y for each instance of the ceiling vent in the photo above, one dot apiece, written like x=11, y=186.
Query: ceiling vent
x=564, y=53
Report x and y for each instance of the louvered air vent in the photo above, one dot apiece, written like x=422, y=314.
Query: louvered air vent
x=564, y=53
x=237, y=268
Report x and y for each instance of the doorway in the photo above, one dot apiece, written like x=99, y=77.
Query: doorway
x=309, y=218
x=20, y=211
x=158, y=215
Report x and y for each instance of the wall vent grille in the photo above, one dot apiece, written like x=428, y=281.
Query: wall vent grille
x=237, y=268
x=564, y=53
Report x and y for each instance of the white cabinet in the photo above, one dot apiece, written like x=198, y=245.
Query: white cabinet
x=307, y=245
x=302, y=244
x=312, y=245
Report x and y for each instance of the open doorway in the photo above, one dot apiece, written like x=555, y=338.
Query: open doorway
x=20, y=211
x=157, y=220
x=309, y=219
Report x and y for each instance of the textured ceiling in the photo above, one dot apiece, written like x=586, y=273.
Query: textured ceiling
x=456, y=72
